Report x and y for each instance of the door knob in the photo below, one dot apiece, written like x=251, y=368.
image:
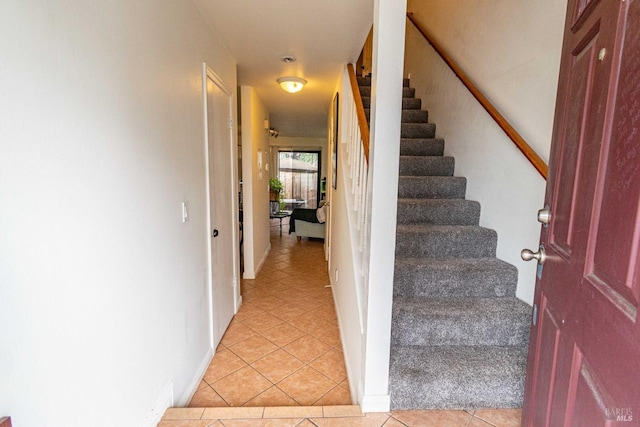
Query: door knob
x=528, y=255
x=214, y=233
x=544, y=216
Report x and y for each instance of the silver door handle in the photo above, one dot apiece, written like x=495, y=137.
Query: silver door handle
x=528, y=255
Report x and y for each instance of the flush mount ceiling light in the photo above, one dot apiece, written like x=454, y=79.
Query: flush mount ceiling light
x=292, y=84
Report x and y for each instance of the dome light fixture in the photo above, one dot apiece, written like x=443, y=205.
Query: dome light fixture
x=292, y=84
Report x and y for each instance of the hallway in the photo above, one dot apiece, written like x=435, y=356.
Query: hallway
x=283, y=346
x=283, y=349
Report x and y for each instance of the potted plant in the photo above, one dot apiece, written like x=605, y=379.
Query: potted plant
x=275, y=188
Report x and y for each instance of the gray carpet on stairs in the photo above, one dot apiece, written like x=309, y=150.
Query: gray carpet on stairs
x=459, y=334
x=457, y=377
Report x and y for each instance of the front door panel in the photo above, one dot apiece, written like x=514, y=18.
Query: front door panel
x=584, y=360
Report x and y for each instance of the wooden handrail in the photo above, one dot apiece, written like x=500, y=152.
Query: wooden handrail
x=518, y=140
x=5, y=422
x=362, y=117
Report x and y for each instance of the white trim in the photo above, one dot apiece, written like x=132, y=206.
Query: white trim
x=208, y=73
x=233, y=160
x=164, y=401
x=376, y=403
x=216, y=79
x=207, y=177
x=345, y=349
x=250, y=275
x=191, y=389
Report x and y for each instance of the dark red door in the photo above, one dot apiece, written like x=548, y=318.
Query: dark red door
x=584, y=357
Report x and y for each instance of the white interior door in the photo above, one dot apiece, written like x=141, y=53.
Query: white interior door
x=223, y=234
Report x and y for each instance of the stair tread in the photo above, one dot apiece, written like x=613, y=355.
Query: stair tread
x=431, y=187
x=457, y=377
x=408, y=116
x=432, y=228
x=445, y=241
x=438, y=211
x=420, y=201
x=421, y=147
x=471, y=277
x=420, y=140
x=426, y=165
x=462, y=306
x=437, y=321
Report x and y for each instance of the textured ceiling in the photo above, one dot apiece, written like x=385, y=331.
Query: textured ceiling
x=322, y=35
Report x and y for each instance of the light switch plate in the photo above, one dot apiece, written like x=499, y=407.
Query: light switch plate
x=185, y=212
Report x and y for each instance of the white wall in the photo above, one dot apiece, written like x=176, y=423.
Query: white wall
x=511, y=50
x=344, y=256
x=255, y=182
x=103, y=308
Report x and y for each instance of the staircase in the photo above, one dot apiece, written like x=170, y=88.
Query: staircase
x=459, y=335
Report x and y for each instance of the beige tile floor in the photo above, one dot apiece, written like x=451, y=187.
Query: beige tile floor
x=280, y=362
x=283, y=347
x=335, y=416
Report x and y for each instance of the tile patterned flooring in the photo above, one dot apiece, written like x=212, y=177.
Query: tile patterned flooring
x=280, y=363
x=283, y=346
x=335, y=416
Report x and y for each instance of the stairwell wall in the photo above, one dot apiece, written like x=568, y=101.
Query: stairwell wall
x=511, y=50
x=104, y=315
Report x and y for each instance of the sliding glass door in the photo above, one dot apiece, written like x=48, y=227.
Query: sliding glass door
x=299, y=171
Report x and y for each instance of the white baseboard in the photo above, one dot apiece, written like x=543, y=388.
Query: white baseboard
x=376, y=403
x=263, y=260
x=250, y=275
x=164, y=401
x=195, y=381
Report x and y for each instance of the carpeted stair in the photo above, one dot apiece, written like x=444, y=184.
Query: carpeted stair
x=459, y=335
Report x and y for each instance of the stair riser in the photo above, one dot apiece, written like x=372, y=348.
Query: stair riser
x=426, y=166
x=417, y=130
x=438, y=212
x=407, y=92
x=415, y=116
x=427, y=187
x=366, y=81
x=474, y=242
x=407, y=103
x=474, y=377
x=408, y=116
x=421, y=147
x=418, y=328
x=482, y=278
x=411, y=103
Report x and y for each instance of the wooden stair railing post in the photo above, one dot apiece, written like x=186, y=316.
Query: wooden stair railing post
x=5, y=422
x=517, y=139
x=362, y=118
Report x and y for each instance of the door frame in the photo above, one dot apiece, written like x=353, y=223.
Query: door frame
x=209, y=73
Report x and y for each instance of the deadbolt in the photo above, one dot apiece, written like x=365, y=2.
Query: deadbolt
x=544, y=216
